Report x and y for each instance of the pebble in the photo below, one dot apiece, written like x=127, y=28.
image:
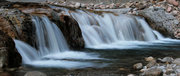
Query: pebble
x=151, y=63
x=161, y=68
x=169, y=9
x=149, y=58
x=152, y=72
x=138, y=66
x=167, y=59
x=174, y=12
x=177, y=61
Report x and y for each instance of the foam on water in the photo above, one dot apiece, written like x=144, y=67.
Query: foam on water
x=51, y=48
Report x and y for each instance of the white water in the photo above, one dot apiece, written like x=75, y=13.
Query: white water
x=114, y=31
x=52, y=48
x=99, y=31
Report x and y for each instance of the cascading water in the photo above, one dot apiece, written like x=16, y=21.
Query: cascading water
x=52, y=48
x=109, y=29
x=49, y=37
x=99, y=31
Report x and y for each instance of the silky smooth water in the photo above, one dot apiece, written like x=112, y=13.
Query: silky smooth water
x=108, y=30
x=52, y=49
x=105, y=32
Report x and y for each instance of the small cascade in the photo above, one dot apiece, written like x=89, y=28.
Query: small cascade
x=49, y=40
x=108, y=28
x=52, y=48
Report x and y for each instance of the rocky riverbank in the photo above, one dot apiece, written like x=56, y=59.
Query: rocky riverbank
x=16, y=23
x=162, y=15
x=166, y=66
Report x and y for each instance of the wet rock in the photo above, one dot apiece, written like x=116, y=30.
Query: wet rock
x=149, y=59
x=9, y=57
x=152, y=72
x=35, y=73
x=71, y=31
x=138, y=66
x=3, y=57
x=177, y=61
x=160, y=20
x=166, y=59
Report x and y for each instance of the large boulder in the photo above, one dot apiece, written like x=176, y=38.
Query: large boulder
x=70, y=29
x=17, y=25
x=9, y=57
x=161, y=21
x=71, y=32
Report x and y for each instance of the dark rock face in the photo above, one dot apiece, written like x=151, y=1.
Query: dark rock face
x=160, y=20
x=71, y=31
x=9, y=57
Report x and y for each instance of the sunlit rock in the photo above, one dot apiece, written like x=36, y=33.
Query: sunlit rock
x=138, y=66
x=152, y=72
x=177, y=61
x=166, y=59
x=149, y=58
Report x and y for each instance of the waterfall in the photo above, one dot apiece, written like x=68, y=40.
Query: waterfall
x=49, y=40
x=108, y=28
x=52, y=48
